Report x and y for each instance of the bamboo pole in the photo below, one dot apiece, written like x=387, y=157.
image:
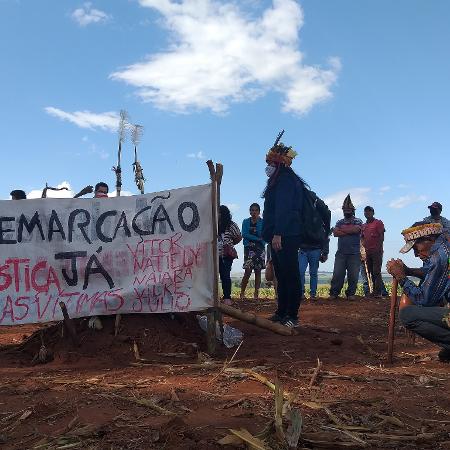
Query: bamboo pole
x=256, y=320
x=392, y=312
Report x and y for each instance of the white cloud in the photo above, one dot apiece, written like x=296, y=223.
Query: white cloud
x=88, y=15
x=385, y=188
x=359, y=196
x=406, y=200
x=198, y=155
x=122, y=193
x=220, y=56
x=66, y=193
x=86, y=119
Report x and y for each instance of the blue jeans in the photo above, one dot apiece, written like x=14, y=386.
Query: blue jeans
x=365, y=281
x=311, y=258
x=345, y=264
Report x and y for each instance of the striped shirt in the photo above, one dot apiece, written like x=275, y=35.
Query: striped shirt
x=230, y=236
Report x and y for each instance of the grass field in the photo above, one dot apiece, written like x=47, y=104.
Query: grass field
x=268, y=292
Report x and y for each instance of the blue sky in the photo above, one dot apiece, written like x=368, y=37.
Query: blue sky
x=361, y=88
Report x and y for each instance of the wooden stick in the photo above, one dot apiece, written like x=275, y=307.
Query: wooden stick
x=257, y=321
x=117, y=324
x=315, y=373
x=214, y=205
x=68, y=322
x=369, y=277
x=211, y=331
x=219, y=175
x=392, y=312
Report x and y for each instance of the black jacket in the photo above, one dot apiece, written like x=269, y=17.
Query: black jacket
x=282, y=206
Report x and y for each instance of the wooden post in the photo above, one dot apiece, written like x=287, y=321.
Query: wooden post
x=219, y=176
x=69, y=325
x=392, y=312
x=211, y=315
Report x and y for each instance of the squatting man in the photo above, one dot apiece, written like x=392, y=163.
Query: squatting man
x=423, y=307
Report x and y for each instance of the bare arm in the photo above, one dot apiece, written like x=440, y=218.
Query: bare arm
x=351, y=229
x=338, y=232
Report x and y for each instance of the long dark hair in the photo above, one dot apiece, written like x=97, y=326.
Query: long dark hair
x=224, y=218
x=281, y=169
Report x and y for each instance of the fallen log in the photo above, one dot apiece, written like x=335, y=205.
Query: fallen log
x=257, y=321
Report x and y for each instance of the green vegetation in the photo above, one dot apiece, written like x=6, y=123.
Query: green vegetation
x=268, y=292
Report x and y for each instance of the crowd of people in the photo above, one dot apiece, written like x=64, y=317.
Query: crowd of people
x=287, y=214
x=294, y=232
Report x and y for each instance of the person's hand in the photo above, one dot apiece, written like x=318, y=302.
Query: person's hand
x=276, y=242
x=323, y=258
x=396, y=268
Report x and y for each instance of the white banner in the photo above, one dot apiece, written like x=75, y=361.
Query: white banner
x=149, y=253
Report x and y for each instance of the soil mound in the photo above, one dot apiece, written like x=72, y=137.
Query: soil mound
x=152, y=337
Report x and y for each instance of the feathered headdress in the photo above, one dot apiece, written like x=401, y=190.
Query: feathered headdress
x=280, y=154
x=348, y=203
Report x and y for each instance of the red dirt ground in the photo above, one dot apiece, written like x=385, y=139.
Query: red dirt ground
x=92, y=396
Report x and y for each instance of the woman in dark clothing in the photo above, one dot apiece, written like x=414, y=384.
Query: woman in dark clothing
x=283, y=198
x=228, y=236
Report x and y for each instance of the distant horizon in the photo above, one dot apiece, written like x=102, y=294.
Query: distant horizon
x=237, y=274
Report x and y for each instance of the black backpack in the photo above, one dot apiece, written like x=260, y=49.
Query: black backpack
x=315, y=220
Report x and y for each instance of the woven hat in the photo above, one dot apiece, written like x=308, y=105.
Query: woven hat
x=280, y=154
x=417, y=231
x=348, y=203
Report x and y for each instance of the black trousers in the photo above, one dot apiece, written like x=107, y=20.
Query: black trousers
x=285, y=264
x=432, y=323
x=225, y=275
x=374, y=263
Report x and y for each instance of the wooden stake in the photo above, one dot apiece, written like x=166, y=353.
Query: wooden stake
x=392, y=312
x=257, y=321
x=117, y=324
x=211, y=331
x=369, y=277
x=70, y=326
x=315, y=373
